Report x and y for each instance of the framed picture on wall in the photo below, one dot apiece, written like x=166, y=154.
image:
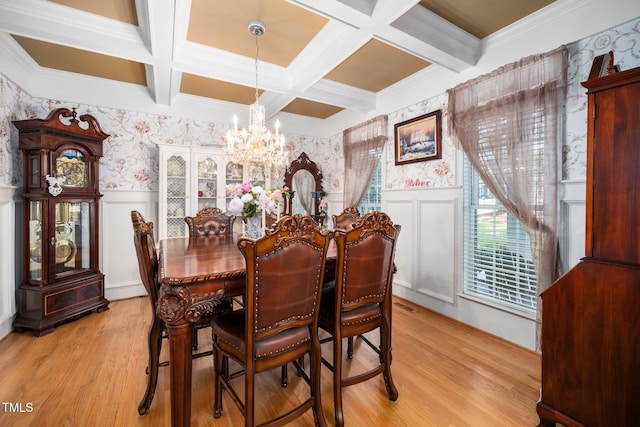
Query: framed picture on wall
x=419, y=139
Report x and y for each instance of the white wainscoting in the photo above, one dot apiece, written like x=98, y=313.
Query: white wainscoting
x=428, y=242
x=7, y=259
x=572, y=227
x=429, y=261
x=119, y=262
x=429, y=256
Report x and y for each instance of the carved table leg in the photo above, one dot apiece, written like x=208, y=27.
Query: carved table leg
x=180, y=309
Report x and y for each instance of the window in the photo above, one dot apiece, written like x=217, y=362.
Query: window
x=509, y=124
x=498, y=264
x=497, y=251
x=372, y=200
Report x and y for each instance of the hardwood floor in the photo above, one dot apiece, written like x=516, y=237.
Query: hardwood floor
x=91, y=372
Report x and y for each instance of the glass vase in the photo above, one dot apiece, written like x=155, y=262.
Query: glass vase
x=253, y=227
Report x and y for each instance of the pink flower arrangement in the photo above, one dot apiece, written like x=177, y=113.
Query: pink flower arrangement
x=249, y=200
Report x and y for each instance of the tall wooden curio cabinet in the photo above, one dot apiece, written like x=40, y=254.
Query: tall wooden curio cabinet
x=591, y=315
x=61, y=279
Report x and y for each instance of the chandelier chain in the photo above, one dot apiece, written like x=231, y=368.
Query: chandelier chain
x=256, y=64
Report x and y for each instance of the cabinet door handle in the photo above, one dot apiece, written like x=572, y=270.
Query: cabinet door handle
x=53, y=241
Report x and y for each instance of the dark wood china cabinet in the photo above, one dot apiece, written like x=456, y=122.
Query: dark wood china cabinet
x=61, y=279
x=591, y=315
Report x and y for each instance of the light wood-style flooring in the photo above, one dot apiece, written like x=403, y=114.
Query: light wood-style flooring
x=91, y=372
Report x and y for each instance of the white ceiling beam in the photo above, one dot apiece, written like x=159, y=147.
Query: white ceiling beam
x=160, y=79
x=407, y=26
x=62, y=25
x=390, y=10
x=435, y=39
x=221, y=65
x=331, y=46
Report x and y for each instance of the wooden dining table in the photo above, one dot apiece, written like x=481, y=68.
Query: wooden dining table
x=195, y=273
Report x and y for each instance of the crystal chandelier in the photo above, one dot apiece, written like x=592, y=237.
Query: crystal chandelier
x=257, y=145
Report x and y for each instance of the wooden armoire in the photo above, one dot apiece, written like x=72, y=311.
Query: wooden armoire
x=591, y=315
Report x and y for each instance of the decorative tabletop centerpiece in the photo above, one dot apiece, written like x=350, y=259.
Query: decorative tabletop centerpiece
x=253, y=203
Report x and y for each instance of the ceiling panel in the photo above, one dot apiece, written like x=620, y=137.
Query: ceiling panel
x=79, y=61
x=216, y=89
x=376, y=66
x=485, y=17
x=223, y=24
x=311, y=108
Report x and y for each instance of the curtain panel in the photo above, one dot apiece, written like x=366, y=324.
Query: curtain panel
x=362, y=145
x=509, y=124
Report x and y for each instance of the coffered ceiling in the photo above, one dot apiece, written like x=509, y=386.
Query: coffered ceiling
x=317, y=57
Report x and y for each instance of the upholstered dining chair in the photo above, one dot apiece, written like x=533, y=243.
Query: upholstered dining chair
x=279, y=323
x=360, y=301
x=210, y=222
x=346, y=218
x=344, y=221
x=148, y=266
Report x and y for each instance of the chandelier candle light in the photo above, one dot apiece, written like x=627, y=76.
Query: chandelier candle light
x=257, y=145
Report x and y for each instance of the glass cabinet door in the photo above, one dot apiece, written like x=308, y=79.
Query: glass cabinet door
x=234, y=175
x=72, y=240
x=35, y=241
x=176, y=168
x=207, y=183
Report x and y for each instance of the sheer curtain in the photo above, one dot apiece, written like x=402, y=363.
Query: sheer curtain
x=509, y=124
x=362, y=146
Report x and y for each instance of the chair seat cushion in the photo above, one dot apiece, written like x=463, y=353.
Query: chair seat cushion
x=229, y=334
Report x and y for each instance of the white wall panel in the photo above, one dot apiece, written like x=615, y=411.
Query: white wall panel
x=401, y=212
x=427, y=247
x=119, y=260
x=572, y=223
x=435, y=257
x=7, y=259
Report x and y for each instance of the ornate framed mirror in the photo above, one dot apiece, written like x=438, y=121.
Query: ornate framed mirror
x=304, y=180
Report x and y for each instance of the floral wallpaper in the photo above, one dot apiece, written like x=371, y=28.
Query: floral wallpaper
x=13, y=103
x=130, y=154
x=429, y=174
x=624, y=41
x=327, y=154
x=130, y=160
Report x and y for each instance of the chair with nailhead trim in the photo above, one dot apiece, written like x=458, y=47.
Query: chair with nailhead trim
x=279, y=322
x=148, y=265
x=360, y=301
x=210, y=222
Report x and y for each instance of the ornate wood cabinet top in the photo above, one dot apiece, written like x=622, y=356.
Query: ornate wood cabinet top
x=61, y=123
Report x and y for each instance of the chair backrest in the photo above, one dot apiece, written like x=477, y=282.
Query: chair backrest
x=364, y=260
x=147, y=256
x=346, y=219
x=285, y=269
x=210, y=222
